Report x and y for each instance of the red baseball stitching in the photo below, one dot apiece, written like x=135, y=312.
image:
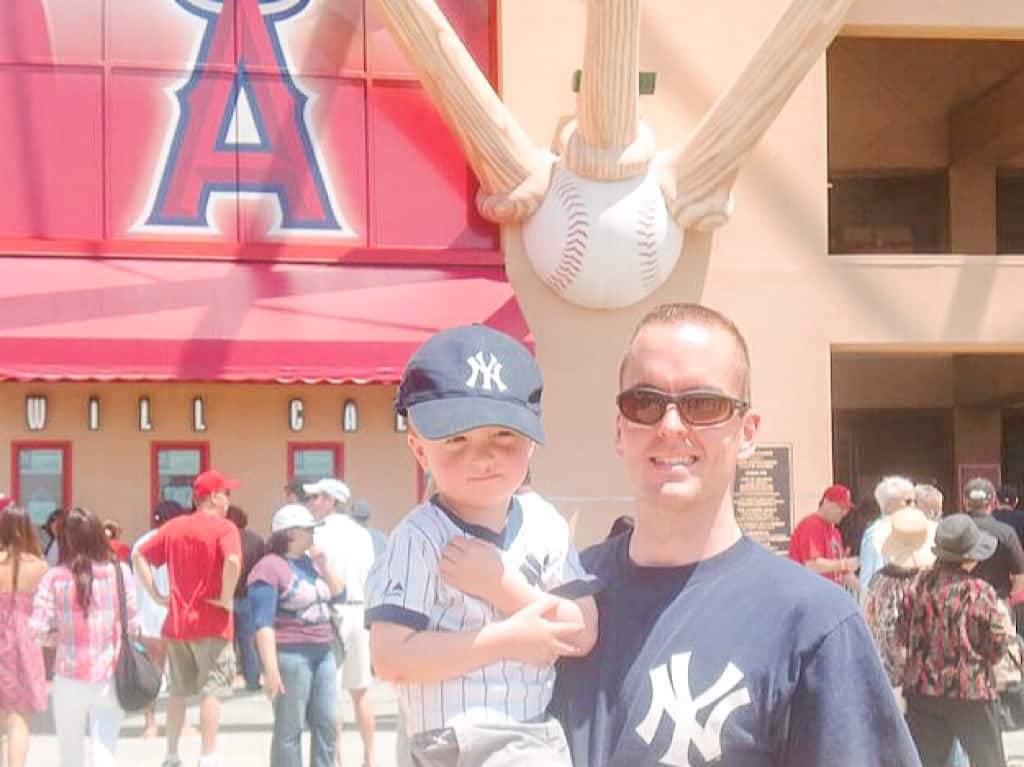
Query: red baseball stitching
x=577, y=233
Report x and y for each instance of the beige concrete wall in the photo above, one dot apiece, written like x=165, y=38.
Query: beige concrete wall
x=247, y=432
x=891, y=381
x=768, y=268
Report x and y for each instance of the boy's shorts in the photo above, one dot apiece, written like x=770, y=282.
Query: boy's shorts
x=512, y=744
x=200, y=667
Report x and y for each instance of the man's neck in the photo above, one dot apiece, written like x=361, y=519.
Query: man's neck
x=213, y=510
x=669, y=536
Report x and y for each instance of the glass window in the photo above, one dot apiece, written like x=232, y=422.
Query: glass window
x=176, y=468
x=312, y=462
x=899, y=213
x=42, y=481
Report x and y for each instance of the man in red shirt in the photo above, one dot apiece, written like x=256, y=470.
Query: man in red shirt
x=817, y=543
x=203, y=554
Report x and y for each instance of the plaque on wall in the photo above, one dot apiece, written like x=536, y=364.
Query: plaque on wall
x=763, y=498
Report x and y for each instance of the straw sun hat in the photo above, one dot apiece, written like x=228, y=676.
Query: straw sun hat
x=907, y=545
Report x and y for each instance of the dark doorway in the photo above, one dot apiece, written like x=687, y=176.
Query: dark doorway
x=870, y=444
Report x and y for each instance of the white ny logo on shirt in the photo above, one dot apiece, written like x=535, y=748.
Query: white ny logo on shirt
x=488, y=371
x=671, y=695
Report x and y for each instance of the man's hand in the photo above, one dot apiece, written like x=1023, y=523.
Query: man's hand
x=852, y=564
x=473, y=567
x=272, y=684
x=534, y=638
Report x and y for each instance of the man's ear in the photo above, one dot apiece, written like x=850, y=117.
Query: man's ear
x=748, y=434
x=416, y=448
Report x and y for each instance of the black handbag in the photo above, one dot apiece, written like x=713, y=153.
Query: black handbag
x=136, y=677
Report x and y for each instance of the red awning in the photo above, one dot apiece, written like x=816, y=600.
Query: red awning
x=132, y=320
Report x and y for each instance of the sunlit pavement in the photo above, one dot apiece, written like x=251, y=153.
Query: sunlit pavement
x=244, y=739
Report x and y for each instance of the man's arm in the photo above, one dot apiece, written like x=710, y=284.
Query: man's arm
x=823, y=565
x=228, y=580
x=842, y=674
x=404, y=654
x=144, y=573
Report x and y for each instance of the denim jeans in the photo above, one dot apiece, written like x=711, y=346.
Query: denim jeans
x=308, y=676
x=246, y=648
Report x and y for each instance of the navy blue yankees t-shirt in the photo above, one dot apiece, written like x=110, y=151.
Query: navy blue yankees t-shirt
x=743, y=659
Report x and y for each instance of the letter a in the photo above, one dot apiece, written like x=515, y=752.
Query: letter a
x=245, y=133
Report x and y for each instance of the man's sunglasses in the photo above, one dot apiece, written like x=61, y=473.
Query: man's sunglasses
x=698, y=409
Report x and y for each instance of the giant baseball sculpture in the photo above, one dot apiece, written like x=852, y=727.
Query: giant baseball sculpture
x=603, y=223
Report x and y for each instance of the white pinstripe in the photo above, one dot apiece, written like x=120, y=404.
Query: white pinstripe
x=507, y=691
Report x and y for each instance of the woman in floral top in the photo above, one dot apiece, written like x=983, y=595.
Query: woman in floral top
x=955, y=634
x=906, y=551
x=76, y=608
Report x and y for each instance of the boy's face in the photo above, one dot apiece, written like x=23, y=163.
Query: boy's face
x=477, y=470
x=671, y=463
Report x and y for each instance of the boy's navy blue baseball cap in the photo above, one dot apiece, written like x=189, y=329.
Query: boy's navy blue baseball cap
x=468, y=377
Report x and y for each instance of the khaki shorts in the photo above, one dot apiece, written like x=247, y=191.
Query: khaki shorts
x=200, y=667
x=355, y=673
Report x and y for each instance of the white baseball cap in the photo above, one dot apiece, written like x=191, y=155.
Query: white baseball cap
x=335, y=488
x=292, y=515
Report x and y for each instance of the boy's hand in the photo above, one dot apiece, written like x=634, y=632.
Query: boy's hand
x=473, y=567
x=536, y=639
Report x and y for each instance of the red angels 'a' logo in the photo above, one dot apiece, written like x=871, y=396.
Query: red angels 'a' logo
x=243, y=135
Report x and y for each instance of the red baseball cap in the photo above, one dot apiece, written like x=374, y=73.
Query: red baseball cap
x=839, y=495
x=210, y=482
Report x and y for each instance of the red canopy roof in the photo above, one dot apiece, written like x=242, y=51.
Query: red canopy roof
x=135, y=320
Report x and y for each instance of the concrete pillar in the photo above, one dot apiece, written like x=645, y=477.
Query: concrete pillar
x=972, y=209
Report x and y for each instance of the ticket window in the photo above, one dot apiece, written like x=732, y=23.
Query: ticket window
x=175, y=466
x=309, y=462
x=42, y=478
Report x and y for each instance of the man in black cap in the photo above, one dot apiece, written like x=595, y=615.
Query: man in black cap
x=954, y=633
x=1008, y=499
x=1005, y=568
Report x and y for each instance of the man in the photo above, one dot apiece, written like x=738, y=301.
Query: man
x=1006, y=510
x=1005, y=568
x=711, y=649
x=817, y=544
x=293, y=492
x=253, y=549
x=203, y=554
x=349, y=551
x=928, y=499
x=892, y=494
x=361, y=511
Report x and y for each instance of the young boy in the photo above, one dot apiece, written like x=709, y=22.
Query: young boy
x=471, y=603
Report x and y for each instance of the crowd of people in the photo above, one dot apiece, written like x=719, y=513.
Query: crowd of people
x=678, y=640
x=210, y=601
x=940, y=595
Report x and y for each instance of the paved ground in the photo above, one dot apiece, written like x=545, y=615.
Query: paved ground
x=245, y=737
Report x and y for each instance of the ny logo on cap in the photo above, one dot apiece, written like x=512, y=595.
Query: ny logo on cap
x=489, y=372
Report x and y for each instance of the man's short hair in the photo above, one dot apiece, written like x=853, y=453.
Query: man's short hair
x=692, y=314
x=926, y=496
x=891, y=493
